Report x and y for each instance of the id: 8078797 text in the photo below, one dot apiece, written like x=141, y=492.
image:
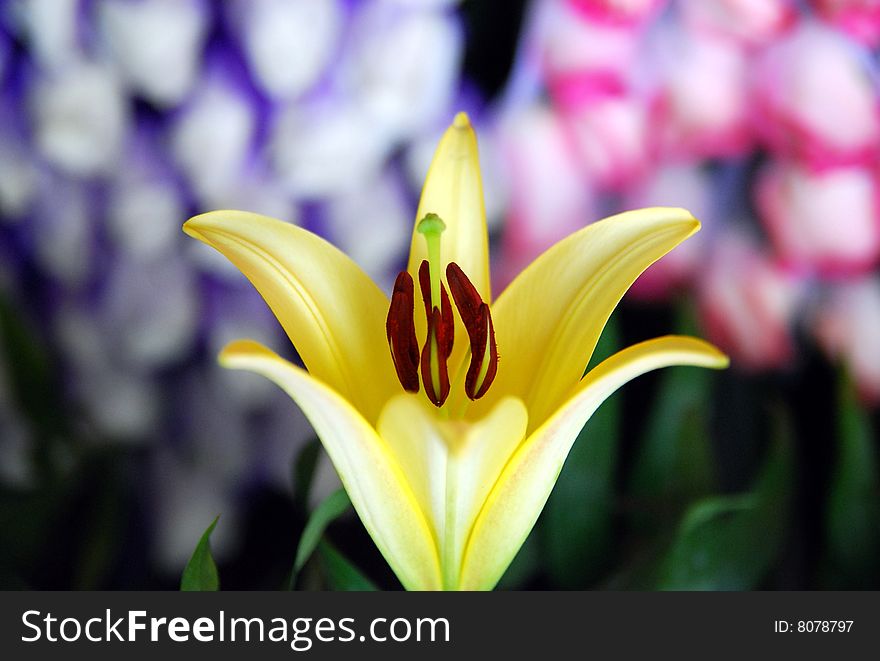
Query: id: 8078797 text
x=812, y=626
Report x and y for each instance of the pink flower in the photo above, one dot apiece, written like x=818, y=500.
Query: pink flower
x=548, y=197
x=814, y=99
x=618, y=12
x=680, y=185
x=747, y=304
x=750, y=22
x=825, y=221
x=581, y=57
x=703, y=106
x=860, y=19
x=612, y=138
x=847, y=325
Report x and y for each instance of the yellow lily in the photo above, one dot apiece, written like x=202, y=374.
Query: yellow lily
x=450, y=483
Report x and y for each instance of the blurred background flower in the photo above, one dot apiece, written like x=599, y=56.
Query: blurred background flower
x=120, y=437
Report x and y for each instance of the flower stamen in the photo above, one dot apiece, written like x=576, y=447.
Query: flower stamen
x=432, y=363
x=401, y=331
x=477, y=321
x=440, y=339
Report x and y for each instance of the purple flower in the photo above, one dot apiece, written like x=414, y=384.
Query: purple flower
x=80, y=118
x=155, y=45
x=289, y=44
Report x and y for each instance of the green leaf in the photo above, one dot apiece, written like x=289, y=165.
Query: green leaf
x=731, y=542
x=853, y=512
x=102, y=518
x=341, y=574
x=675, y=463
x=576, y=525
x=577, y=521
x=200, y=574
x=304, y=471
x=334, y=505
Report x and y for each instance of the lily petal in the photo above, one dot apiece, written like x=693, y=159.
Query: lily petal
x=454, y=191
x=522, y=489
x=332, y=311
x=451, y=465
x=372, y=477
x=547, y=322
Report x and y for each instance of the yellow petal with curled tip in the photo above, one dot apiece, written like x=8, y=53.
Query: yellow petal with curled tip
x=522, y=489
x=372, y=477
x=547, y=322
x=332, y=311
x=454, y=191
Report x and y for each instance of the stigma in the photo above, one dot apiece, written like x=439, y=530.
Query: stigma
x=430, y=366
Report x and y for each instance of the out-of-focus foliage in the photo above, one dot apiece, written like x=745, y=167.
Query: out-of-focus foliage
x=853, y=514
x=332, y=507
x=200, y=573
x=731, y=542
x=578, y=520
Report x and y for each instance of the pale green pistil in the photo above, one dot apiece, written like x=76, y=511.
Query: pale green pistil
x=431, y=227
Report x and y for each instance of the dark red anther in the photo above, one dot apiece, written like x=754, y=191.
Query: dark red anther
x=477, y=321
x=401, y=331
x=446, y=319
x=436, y=330
x=441, y=328
x=425, y=286
x=472, y=388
